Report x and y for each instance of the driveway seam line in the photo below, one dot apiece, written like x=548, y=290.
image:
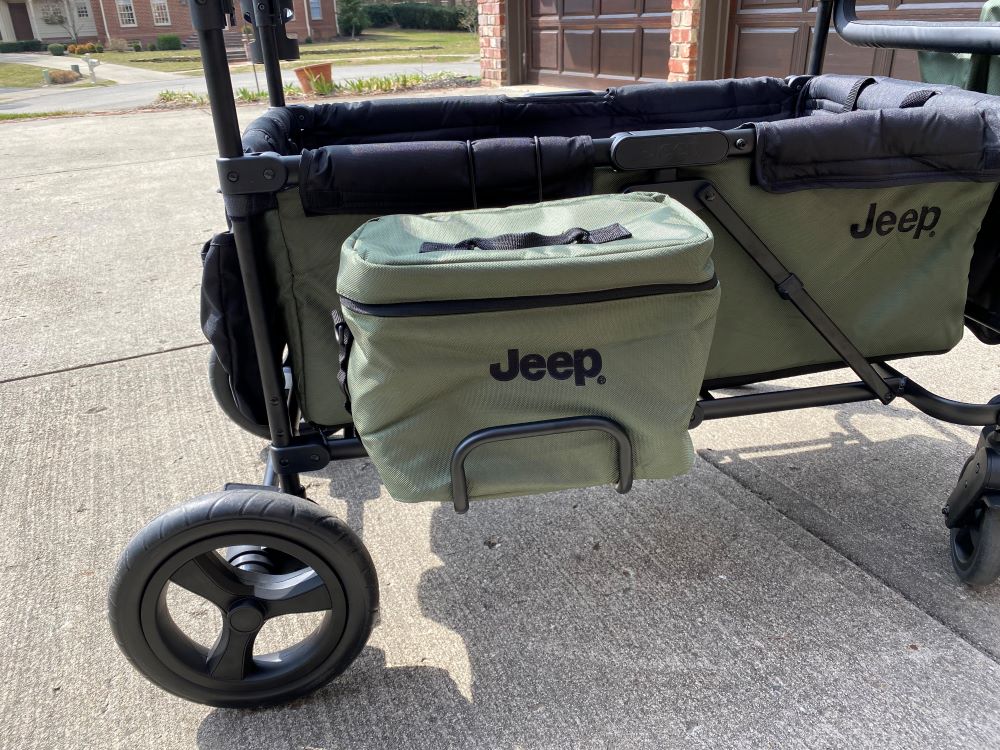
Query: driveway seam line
x=844, y=554
x=21, y=378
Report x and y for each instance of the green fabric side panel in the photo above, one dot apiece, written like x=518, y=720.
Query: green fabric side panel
x=892, y=293
x=972, y=72
x=303, y=252
x=381, y=262
x=421, y=385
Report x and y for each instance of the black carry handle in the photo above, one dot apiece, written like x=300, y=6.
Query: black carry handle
x=523, y=240
x=974, y=37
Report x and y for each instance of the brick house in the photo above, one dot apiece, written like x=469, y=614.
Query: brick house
x=591, y=44
x=138, y=20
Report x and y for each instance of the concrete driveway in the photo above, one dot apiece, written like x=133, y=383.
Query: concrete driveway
x=142, y=93
x=793, y=591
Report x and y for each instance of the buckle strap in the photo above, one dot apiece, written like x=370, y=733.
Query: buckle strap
x=524, y=240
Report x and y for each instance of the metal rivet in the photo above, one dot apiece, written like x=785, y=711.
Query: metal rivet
x=741, y=143
x=268, y=174
x=283, y=462
x=314, y=457
x=709, y=195
x=233, y=177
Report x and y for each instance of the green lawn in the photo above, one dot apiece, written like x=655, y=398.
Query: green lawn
x=15, y=76
x=379, y=46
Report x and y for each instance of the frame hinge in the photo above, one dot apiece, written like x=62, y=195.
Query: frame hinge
x=305, y=453
x=254, y=173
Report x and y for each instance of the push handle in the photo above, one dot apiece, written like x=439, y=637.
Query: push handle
x=974, y=37
x=524, y=240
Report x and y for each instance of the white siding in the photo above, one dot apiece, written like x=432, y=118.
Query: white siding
x=85, y=27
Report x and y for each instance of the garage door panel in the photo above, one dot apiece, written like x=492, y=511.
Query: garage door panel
x=617, y=52
x=578, y=51
x=655, y=53
x=545, y=49
x=841, y=57
x=757, y=46
x=613, y=42
x=579, y=8
x=538, y=8
x=763, y=51
x=620, y=7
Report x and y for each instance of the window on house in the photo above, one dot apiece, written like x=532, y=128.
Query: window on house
x=161, y=13
x=126, y=13
x=82, y=10
x=315, y=10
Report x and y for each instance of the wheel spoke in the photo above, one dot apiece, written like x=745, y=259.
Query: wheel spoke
x=212, y=578
x=303, y=592
x=231, y=658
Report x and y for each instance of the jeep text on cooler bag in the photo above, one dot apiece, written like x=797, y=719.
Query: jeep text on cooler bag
x=601, y=306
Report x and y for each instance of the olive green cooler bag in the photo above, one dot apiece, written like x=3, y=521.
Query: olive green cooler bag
x=602, y=306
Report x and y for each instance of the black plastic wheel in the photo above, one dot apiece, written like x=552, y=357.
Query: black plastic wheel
x=218, y=380
x=182, y=548
x=975, y=547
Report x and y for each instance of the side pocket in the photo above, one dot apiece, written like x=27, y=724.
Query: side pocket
x=225, y=321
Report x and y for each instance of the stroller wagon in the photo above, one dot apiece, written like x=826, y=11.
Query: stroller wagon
x=495, y=296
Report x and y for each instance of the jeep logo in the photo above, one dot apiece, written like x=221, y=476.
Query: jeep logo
x=887, y=222
x=580, y=365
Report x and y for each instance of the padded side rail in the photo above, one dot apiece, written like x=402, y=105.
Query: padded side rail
x=935, y=36
x=459, y=482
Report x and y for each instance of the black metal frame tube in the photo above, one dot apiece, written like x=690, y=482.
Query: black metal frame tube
x=821, y=33
x=272, y=65
x=227, y=135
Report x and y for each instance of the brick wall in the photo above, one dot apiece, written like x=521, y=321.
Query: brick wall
x=494, y=63
x=685, y=21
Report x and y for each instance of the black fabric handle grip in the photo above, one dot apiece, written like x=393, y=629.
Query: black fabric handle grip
x=523, y=240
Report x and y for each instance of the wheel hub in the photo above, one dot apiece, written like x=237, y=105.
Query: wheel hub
x=246, y=617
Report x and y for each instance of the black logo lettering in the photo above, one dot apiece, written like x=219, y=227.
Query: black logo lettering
x=911, y=221
x=580, y=365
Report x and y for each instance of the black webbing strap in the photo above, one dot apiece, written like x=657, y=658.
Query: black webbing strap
x=917, y=98
x=345, y=339
x=860, y=85
x=523, y=240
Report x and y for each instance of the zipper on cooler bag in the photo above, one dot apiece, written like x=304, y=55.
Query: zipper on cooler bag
x=503, y=304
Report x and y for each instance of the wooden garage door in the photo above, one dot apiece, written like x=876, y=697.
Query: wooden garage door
x=597, y=43
x=772, y=37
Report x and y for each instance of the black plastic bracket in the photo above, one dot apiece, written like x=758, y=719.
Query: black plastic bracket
x=459, y=482
x=253, y=173
x=979, y=482
x=304, y=453
x=212, y=14
x=678, y=147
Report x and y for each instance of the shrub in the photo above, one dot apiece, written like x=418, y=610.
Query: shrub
x=168, y=41
x=91, y=47
x=25, y=45
x=380, y=15
x=64, y=76
x=151, y=47
x=424, y=16
x=352, y=17
x=57, y=49
x=307, y=40
x=137, y=46
x=71, y=49
x=118, y=45
x=98, y=48
x=468, y=17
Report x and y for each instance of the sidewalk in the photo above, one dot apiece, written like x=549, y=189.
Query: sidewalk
x=122, y=74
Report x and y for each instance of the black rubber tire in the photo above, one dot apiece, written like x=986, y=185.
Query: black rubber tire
x=218, y=380
x=975, y=549
x=200, y=522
